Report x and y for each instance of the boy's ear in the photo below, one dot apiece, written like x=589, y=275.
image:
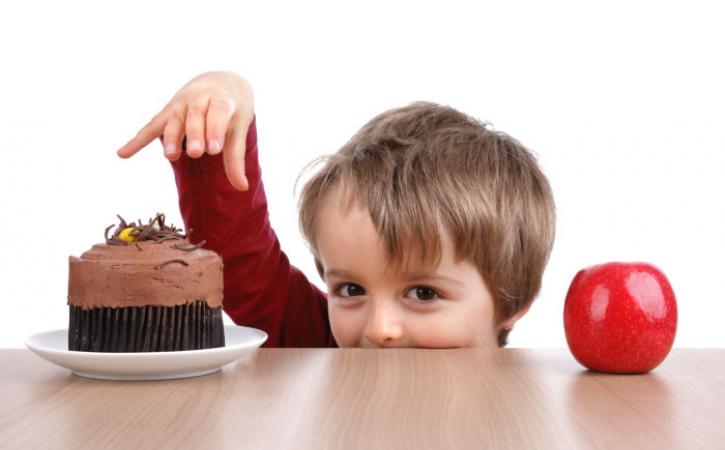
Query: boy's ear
x=511, y=321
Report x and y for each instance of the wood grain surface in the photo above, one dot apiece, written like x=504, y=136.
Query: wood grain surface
x=370, y=399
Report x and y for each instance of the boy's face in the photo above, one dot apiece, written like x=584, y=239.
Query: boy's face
x=443, y=307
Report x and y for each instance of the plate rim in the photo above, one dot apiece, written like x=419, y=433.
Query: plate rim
x=261, y=338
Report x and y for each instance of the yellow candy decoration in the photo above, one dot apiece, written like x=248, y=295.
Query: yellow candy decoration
x=125, y=234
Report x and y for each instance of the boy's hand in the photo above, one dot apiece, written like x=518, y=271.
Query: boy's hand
x=214, y=111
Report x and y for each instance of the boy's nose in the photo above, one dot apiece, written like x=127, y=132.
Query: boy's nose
x=384, y=327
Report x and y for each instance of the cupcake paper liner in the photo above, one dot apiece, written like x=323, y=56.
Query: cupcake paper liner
x=191, y=326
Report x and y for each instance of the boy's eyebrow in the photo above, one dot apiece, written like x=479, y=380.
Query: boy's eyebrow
x=338, y=272
x=430, y=276
x=412, y=276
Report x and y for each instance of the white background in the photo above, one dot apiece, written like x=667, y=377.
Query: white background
x=623, y=104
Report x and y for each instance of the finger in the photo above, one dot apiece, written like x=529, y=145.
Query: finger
x=173, y=133
x=148, y=133
x=195, y=115
x=234, y=153
x=221, y=110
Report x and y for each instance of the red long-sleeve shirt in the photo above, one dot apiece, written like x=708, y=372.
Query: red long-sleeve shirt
x=261, y=288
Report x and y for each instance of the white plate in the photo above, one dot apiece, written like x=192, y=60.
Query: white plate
x=53, y=346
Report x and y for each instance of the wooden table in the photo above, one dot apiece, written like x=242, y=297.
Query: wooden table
x=368, y=399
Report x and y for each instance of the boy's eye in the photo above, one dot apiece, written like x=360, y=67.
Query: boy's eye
x=350, y=290
x=422, y=293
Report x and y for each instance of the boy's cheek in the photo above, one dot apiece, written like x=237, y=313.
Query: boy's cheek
x=436, y=334
x=347, y=326
x=451, y=329
x=442, y=330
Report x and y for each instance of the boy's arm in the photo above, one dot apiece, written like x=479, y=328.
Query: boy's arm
x=261, y=288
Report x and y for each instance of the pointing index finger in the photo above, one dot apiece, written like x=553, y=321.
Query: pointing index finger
x=148, y=133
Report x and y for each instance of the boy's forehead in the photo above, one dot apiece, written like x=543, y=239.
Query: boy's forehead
x=348, y=239
x=344, y=223
x=342, y=197
x=344, y=227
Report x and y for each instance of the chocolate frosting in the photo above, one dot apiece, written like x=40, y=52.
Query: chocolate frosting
x=145, y=273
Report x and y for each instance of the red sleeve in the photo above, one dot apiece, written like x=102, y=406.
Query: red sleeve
x=261, y=288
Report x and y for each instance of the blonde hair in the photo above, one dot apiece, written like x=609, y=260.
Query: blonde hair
x=426, y=169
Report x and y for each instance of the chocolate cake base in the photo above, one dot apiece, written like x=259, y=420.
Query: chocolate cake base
x=192, y=326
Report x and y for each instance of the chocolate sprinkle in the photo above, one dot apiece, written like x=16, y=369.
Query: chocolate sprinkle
x=105, y=233
x=171, y=261
x=189, y=248
x=165, y=238
x=154, y=230
x=123, y=222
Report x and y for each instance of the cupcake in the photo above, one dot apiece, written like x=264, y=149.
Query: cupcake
x=146, y=289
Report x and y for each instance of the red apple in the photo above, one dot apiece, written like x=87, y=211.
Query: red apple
x=620, y=317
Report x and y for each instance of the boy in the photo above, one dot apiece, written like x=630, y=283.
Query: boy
x=429, y=229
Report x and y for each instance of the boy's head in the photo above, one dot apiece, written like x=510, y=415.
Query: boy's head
x=429, y=229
